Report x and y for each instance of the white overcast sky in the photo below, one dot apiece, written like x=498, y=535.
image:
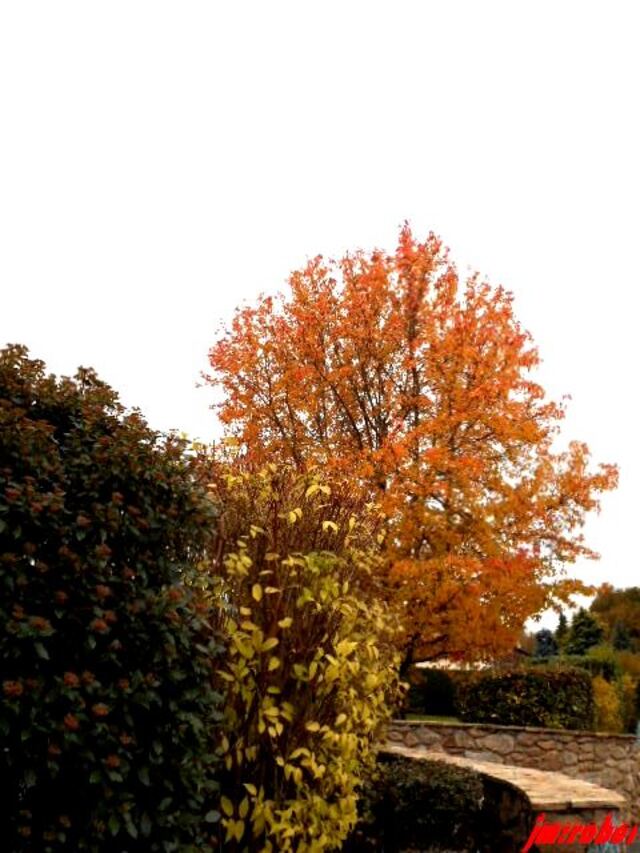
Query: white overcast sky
x=161, y=162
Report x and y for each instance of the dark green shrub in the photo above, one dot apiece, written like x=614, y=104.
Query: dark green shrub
x=557, y=698
x=107, y=704
x=418, y=805
x=414, y=700
x=440, y=693
x=431, y=691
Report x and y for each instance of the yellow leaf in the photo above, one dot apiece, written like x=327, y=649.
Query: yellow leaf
x=238, y=830
x=251, y=789
x=287, y=622
x=287, y=710
x=256, y=591
x=269, y=644
x=274, y=663
x=329, y=525
x=313, y=727
x=298, y=752
x=226, y=805
x=245, y=650
x=243, y=808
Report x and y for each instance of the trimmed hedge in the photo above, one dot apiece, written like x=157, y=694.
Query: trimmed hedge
x=107, y=706
x=555, y=698
x=419, y=805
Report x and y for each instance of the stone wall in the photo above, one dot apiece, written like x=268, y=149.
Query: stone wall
x=610, y=760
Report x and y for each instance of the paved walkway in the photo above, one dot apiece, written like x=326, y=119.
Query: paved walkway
x=546, y=790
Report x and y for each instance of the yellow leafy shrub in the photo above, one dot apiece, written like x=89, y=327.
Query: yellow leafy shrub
x=608, y=710
x=311, y=674
x=628, y=699
x=629, y=663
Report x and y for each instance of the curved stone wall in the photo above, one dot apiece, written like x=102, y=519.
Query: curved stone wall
x=610, y=760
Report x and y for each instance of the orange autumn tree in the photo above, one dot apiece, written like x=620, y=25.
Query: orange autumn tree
x=420, y=386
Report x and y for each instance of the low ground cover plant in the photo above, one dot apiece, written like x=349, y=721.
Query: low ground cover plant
x=419, y=805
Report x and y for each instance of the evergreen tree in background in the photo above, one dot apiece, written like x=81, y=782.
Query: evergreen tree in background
x=584, y=633
x=612, y=606
x=546, y=646
x=620, y=638
x=562, y=630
